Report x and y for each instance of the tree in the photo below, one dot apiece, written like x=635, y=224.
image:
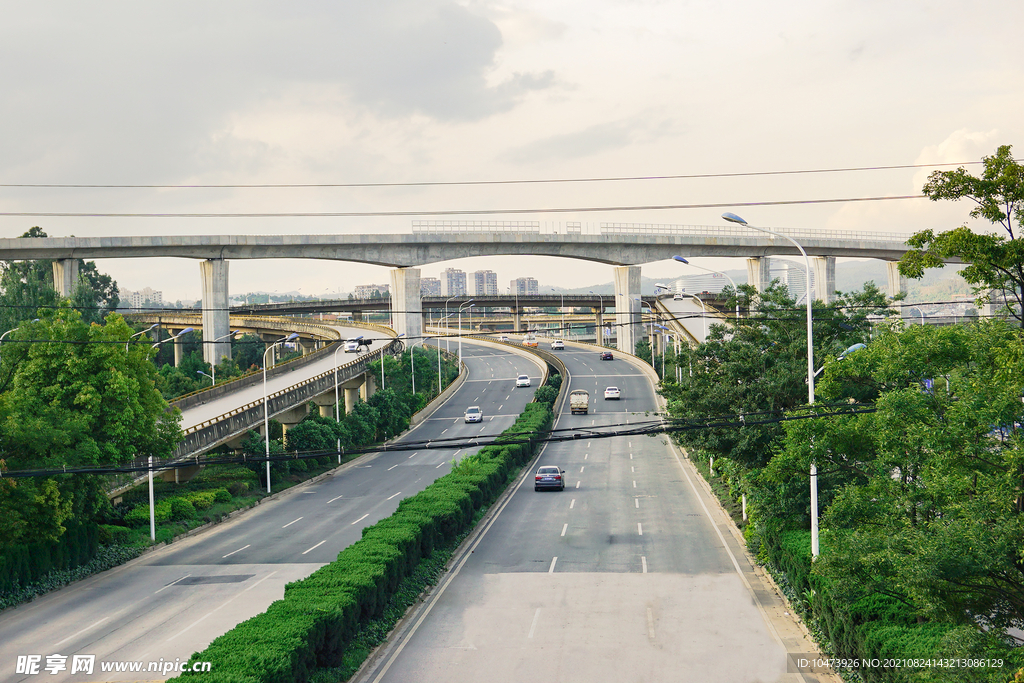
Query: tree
x=995, y=262
x=931, y=507
x=759, y=365
x=77, y=399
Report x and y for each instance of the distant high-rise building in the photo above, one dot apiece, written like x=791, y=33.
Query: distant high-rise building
x=524, y=285
x=453, y=282
x=367, y=291
x=144, y=298
x=430, y=286
x=485, y=283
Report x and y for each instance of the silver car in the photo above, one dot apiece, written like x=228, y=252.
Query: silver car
x=474, y=414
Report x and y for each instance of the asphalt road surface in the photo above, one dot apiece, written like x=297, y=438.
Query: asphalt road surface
x=623, y=576
x=172, y=602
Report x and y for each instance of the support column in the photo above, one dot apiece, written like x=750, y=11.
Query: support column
x=369, y=386
x=897, y=283
x=627, y=307
x=290, y=418
x=65, y=276
x=351, y=398
x=515, y=320
x=406, y=304
x=179, y=351
x=214, y=274
x=824, y=278
x=759, y=272
x=599, y=326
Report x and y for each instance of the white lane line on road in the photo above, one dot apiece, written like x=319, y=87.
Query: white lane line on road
x=392, y=467
x=565, y=527
x=235, y=551
x=223, y=605
x=630, y=444
x=92, y=625
x=333, y=499
x=355, y=522
x=634, y=483
x=508, y=397
x=581, y=468
x=316, y=546
x=393, y=495
x=551, y=569
x=444, y=430
x=500, y=407
x=572, y=503
x=577, y=484
x=534, y=624
x=290, y=523
x=177, y=580
x=640, y=528
x=413, y=455
x=632, y=469
x=440, y=465
x=650, y=624
x=630, y=456
x=637, y=501
x=586, y=455
x=643, y=563
x=588, y=444
x=593, y=422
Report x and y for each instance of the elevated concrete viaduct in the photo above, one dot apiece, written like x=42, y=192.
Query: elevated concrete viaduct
x=624, y=247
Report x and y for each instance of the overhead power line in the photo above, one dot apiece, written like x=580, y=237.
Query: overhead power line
x=447, y=212
x=442, y=183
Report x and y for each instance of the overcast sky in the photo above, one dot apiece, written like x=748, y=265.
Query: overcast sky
x=431, y=90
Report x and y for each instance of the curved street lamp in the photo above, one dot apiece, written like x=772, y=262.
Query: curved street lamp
x=148, y=329
x=711, y=270
x=266, y=409
x=471, y=305
x=733, y=218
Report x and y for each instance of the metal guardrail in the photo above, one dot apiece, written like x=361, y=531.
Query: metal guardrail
x=475, y=226
x=733, y=231
x=216, y=430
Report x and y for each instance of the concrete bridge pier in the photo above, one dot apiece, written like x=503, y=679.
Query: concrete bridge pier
x=65, y=276
x=290, y=418
x=627, y=306
x=759, y=272
x=367, y=389
x=325, y=403
x=516, y=321
x=897, y=283
x=406, y=305
x=824, y=278
x=598, y=326
x=214, y=274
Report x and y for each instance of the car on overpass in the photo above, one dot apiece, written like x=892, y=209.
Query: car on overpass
x=474, y=414
x=557, y=345
x=607, y=355
x=522, y=381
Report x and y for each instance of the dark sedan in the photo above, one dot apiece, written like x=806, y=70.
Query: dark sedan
x=549, y=477
x=607, y=355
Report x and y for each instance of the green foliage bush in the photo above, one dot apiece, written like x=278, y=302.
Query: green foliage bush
x=21, y=565
x=319, y=616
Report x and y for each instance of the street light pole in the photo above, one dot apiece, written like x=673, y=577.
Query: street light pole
x=465, y=303
x=733, y=218
x=154, y=325
x=337, y=410
x=266, y=408
x=710, y=270
x=446, y=346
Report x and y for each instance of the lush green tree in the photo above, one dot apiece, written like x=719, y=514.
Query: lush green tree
x=248, y=351
x=929, y=496
x=73, y=396
x=995, y=261
x=316, y=433
x=759, y=365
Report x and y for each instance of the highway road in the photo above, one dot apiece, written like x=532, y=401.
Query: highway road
x=228, y=402
x=623, y=576
x=688, y=313
x=174, y=601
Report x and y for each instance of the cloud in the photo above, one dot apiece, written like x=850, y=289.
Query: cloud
x=128, y=92
x=592, y=140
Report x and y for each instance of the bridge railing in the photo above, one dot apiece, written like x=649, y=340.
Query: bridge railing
x=736, y=231
x=216, y=430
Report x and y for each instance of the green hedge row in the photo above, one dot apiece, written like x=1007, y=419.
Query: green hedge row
x=319, y=615
x=874, y=627
x=25, y=564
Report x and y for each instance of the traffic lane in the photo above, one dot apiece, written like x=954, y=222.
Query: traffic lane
x=322, y=519
x=223, y=404
x=493, y=373
x=164, y=595
x=596, y=583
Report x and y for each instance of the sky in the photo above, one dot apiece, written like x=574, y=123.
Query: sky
x=411, y=91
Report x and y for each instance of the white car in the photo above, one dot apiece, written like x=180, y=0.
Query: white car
x=503, y=338
x=611, y=393
x=557, y=345
x=473, y=414
x=677, y=297
x=522, y=381
x=352, y=346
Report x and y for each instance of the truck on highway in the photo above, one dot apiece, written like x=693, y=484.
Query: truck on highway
x=579, y=401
